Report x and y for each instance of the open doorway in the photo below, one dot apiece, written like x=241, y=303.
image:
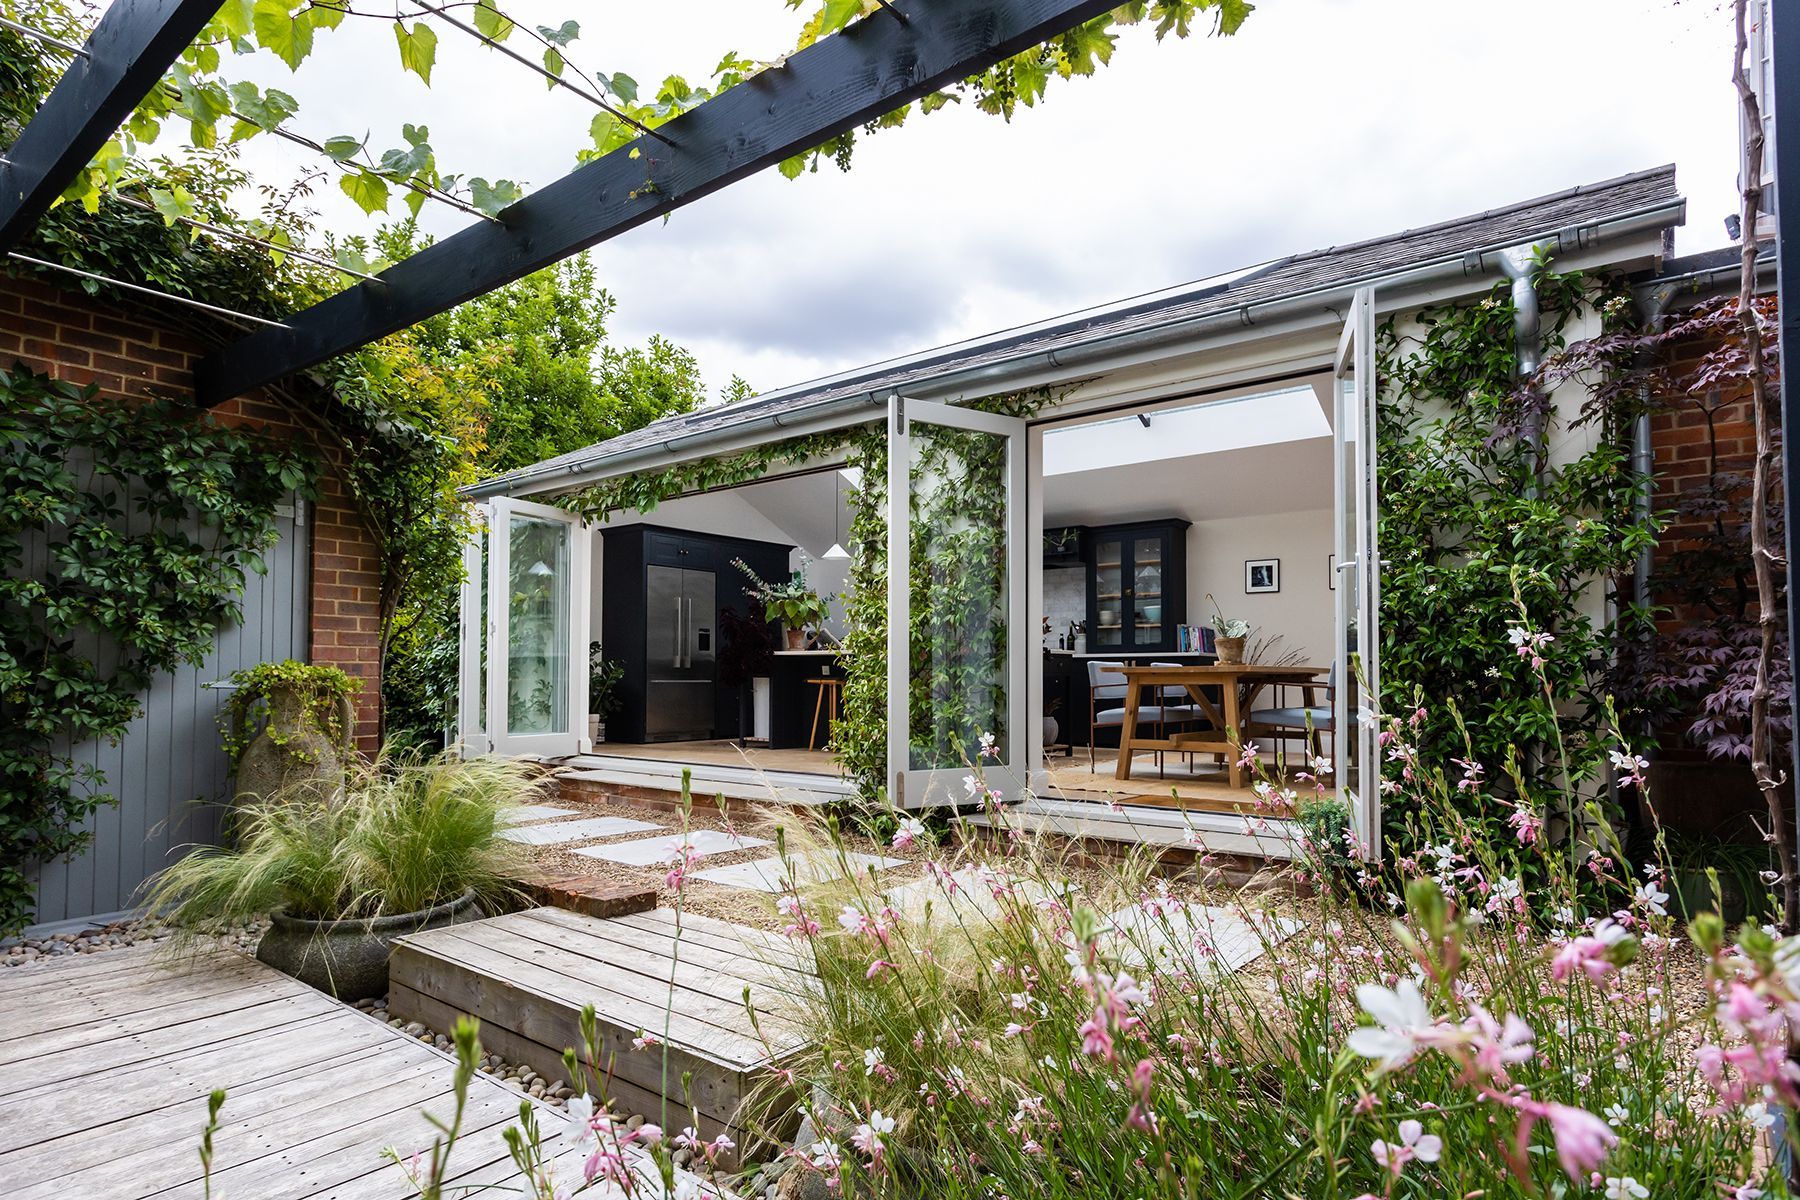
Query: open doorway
x=1154, y=520
x=687, y=665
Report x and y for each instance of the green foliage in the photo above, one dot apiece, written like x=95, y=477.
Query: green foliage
x=793, y=602
x=125, y=534
x=604, y=675
x=1471, y=511
x=321, y=688
x=408, y=833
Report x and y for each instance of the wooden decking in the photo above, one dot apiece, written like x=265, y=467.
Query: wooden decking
x=106, y=1062
x=527, y=975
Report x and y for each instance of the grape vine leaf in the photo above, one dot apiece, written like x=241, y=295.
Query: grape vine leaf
x=369, y=190
x=490, y=22
x=287, y=37
x=565, y=33
x=490, y=198
x=418, y=48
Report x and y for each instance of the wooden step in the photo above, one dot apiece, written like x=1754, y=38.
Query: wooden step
x=526, y=976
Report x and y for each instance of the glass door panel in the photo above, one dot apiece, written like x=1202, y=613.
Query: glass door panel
x=1108, y=632
x=538, y=594
x=1356, y=760
x=956, y=594
x=1146, y=591
x=471, y=689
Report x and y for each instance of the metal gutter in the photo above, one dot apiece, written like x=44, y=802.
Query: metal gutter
x=839, y=411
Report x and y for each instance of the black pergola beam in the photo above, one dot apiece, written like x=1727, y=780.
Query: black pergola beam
x=1783, y=160
x=876, y=65
x=131, y=47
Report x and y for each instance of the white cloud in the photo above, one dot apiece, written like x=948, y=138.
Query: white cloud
x=1319, y=123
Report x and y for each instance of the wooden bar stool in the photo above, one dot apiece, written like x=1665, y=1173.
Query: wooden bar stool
x=826, y=685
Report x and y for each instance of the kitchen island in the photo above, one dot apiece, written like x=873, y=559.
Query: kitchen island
x=792, y=700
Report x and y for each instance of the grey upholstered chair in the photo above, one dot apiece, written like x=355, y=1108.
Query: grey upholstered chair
x=1305, y=722
x=1105, y=683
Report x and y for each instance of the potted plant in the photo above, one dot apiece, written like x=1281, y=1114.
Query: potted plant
x=288, y=727
x=604, y=675
x=744, y=663
x=794, y=604
x=1228, y=634
x=412, y=842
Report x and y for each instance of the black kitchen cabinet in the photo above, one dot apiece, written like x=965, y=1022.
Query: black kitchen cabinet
x=684, y=583
x=1137, y=585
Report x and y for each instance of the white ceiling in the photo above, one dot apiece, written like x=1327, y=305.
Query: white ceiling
x=1292, y=476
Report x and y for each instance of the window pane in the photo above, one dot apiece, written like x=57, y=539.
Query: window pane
x=1109, y=595
x=958, y=596
x=537, y=652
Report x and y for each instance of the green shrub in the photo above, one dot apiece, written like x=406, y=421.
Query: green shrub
x=409, y=832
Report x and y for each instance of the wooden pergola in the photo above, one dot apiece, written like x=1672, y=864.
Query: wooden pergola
x=905, y=50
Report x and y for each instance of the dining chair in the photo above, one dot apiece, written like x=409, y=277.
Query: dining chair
x=1105, y=682
x=1304, y=722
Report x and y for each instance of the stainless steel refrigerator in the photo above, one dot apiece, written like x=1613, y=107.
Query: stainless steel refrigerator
x=681, y=660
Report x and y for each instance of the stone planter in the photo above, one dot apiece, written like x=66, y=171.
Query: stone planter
x=349, y=959
x=294, y=749
x=1050, y=731
x=1231, y=650
x=596, y=729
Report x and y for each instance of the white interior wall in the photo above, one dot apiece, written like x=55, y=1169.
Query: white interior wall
x=1301, y=612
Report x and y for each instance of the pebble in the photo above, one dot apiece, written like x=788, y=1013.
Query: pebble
x=101, y=938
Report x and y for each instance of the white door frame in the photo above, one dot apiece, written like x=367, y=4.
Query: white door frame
x=1354, y=707
x=471, y=727
x=560, y=743
x=915, y=788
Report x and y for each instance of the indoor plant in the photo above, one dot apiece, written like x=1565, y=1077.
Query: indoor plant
x=793, y=603
x=412, y=842
x=604, y=675
x=1228, y=634
x=288, y=727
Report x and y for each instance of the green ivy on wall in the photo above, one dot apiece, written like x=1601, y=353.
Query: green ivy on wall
x=1471, y=509
x=125, y=533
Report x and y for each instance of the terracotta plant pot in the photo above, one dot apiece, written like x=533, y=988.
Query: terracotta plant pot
x=349, y=959
x=796, y=638
x=1231, y=650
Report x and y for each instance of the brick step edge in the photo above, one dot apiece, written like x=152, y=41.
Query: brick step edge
x=585, y=894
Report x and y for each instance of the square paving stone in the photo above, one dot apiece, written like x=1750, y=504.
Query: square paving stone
x=655, y=851
x=767, y=874
x=1204, y=938
x=558, y=832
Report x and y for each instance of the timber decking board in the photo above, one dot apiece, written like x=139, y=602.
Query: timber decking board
x=315, y=1089
x=527, y=975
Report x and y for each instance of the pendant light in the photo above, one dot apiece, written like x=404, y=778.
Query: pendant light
x=837, y=550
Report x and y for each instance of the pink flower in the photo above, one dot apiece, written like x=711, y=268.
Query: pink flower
x=868, y=1136
x=681, y=859
x=645, y=1040
x=1414, y=1143
x=1582, y=1140
x=800, y=923
x=911, y=829
x=1141, y=1117
x=1496, y=1045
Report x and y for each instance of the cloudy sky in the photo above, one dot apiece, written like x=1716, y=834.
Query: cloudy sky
x=1322, y=121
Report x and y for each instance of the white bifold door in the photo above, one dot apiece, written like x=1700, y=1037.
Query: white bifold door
x=1356, y=664
x=956, y=603
x=525, y=602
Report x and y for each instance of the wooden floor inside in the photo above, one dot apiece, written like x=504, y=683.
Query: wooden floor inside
x=526, y=976
x=106, y=1062
x=727, y=753
x=1202, y=785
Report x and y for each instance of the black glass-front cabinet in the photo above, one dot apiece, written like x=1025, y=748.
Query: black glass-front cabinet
x=1137, y=585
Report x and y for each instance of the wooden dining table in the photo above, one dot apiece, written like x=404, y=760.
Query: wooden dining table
x=1238, y=684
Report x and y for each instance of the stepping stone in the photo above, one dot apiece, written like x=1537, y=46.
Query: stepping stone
x=535, y=812
x=769, y=874
x=575, y=831
x=652, y=852
x=1202, y=937
x=968, y=892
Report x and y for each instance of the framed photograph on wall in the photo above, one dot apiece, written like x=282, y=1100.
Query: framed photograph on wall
x=1262, y=575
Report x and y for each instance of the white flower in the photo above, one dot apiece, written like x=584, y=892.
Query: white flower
x=1507, y=889
x=581, y=1111
x=1616, y=1115
x=871, y=1059
x=1760, y=1115
x=1624, y=1187
x=1609, y=931
x=1653, y=898
x=826, y=1155
x=1400, y=1015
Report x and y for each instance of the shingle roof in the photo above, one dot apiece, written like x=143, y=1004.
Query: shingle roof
x=1291, y=276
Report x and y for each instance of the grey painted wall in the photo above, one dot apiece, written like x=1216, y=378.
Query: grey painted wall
x=170, y=757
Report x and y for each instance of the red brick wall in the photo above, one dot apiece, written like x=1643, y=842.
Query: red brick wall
x=136, y=351
x=1692, y=436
